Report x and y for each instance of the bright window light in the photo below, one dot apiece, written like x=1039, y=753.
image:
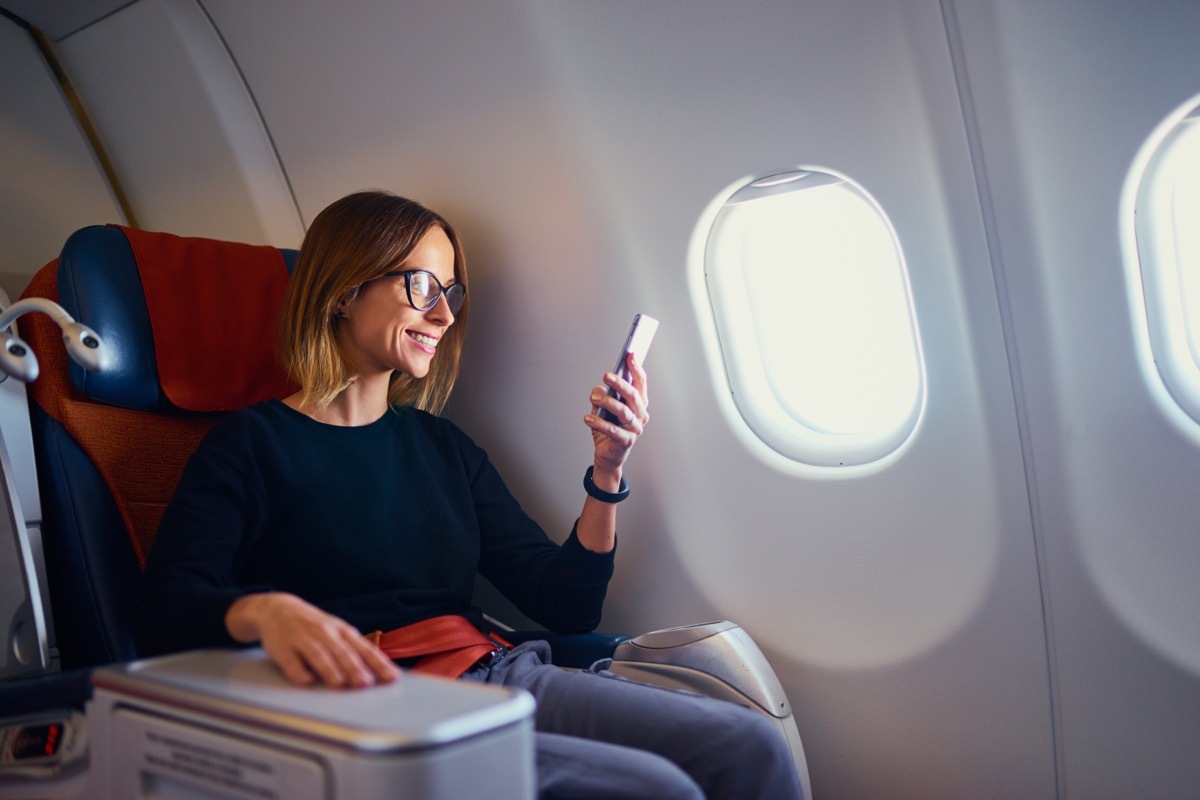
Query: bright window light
x=811, y=304
x=1162, y=208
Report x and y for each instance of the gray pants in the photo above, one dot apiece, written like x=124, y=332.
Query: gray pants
x=602, y=736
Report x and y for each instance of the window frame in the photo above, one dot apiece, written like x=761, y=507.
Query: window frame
x=1163, y=330
x=775, y=434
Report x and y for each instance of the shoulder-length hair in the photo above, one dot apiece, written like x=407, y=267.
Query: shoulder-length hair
x=355, y=240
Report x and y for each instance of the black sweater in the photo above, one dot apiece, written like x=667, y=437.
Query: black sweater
x=382, y=525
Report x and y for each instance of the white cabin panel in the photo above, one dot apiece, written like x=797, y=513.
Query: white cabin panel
x=1066, y=94
x=183, y=132
x=50, y=182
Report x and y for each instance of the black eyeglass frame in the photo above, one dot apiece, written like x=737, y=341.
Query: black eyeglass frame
x=455, y=300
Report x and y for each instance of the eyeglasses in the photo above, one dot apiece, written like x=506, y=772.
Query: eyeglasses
x=424, y=290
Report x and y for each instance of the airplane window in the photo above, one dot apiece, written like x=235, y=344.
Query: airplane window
x=1164, y=189
x=809, y=295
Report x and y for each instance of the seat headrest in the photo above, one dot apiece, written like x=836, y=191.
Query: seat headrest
x=189, y=322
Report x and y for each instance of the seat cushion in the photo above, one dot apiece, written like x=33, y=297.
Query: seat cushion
x=213, y=309
x=189, y=323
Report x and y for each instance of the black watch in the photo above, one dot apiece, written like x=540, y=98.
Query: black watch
x=604, y=497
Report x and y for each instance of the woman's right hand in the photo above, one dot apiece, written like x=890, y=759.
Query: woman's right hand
x=307, y=644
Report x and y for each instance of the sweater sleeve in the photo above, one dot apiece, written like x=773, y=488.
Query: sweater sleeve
x=188, y=586
x=560, y=587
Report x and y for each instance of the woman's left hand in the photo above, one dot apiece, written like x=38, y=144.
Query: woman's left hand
x=613, y=441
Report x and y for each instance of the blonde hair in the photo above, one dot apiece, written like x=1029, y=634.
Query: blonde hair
x=355, y=240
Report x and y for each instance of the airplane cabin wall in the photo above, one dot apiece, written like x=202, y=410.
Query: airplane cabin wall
x=50, y=183
x=1007, y=609
x=1068, y=93
x=180, y=126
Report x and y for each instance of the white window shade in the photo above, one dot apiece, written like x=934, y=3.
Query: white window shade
x=817, y=335
x=1165, y=259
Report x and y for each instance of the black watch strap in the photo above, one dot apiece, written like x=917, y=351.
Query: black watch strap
x=600, y=494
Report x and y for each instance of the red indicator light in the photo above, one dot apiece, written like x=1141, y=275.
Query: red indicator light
x=53, y=733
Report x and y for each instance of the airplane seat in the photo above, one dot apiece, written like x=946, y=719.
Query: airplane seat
x=111, y=445
x=189, y=326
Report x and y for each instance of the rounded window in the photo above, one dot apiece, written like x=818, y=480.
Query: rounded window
x=1162, y=209
x=808, y=292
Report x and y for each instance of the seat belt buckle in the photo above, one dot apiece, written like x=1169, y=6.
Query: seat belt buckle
x=502, y=649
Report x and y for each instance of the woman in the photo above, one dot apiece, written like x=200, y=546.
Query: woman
x=349, y=507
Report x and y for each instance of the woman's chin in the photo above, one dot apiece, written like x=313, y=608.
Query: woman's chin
x=416, y=368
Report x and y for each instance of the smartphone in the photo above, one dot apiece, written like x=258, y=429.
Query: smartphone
x=641, y=333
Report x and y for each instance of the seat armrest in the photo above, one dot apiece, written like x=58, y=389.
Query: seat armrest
x=715, y=659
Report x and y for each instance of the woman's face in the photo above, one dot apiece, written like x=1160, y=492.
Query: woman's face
x=382, y=332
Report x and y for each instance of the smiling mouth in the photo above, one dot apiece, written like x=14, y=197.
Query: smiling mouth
x=421, y=338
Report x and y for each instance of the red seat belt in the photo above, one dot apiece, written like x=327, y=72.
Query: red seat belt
x=449, y=645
